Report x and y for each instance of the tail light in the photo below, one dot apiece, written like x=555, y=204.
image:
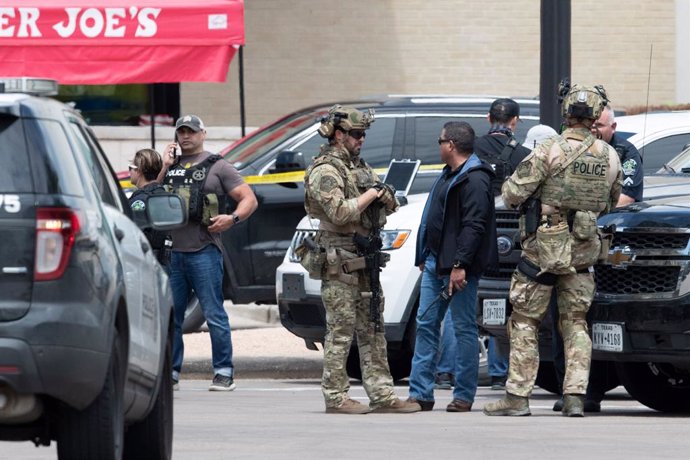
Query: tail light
x=56, y=229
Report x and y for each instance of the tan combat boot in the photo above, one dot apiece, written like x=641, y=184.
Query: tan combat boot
x=349, y=406
x=398, y=406
x=510, y=405
x=573, y=405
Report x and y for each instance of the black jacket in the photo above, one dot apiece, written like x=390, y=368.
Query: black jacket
x=489, y=148
x=469, y=222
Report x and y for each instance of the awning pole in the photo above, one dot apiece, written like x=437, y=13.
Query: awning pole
x=152, y=106
x=241, y=63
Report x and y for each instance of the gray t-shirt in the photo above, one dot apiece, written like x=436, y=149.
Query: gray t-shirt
x=222, y=179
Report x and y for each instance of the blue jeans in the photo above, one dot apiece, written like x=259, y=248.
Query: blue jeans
x=497, y=362
x=201, y=272
x=446, y=355
x=429, y=316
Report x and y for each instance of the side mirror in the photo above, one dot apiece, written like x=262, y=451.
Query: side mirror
x=165, y=212
x=289, y=161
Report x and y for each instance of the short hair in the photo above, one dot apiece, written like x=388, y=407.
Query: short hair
x=462, y=135
x=149, y=163
x=503, y=110
x=608, y=108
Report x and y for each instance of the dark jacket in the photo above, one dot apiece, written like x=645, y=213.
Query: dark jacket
x=631, y=163
x=490, y=147
x=469, y=222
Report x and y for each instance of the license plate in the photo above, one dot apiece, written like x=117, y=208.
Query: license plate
x=494, y=312
x=293, y=286
x=607, y=337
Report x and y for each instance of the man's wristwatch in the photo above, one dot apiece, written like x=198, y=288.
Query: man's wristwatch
x=458, y=265
x=235, y=218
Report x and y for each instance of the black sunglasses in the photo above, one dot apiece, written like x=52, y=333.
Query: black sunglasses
x=443, y=141
x=357, y=133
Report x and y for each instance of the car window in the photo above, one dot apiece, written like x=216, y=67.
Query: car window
x=657, y=153
x=97, y=170
x=14, y=159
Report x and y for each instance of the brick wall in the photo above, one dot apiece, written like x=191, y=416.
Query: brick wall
x=301, y=52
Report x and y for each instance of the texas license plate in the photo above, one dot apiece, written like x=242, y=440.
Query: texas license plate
x=607, y=337
x=494, y=312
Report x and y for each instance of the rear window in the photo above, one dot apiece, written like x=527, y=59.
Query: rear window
x=14, y=160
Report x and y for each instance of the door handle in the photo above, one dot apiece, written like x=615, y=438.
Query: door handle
x=145, y=246
x=119, y=234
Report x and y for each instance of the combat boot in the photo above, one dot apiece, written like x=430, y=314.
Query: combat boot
x=398, y=406
x=573, y=405
x=349, y=406
x=510, y=405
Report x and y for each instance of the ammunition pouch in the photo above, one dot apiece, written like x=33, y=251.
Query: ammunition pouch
x=586, y=243
x=554, y=247
x=337, y=261
x=313, y=259
x=606, y=240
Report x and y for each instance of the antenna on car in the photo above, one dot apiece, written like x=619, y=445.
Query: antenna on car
x=649, y=78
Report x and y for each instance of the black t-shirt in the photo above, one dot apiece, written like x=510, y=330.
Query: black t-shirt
x=489, y=148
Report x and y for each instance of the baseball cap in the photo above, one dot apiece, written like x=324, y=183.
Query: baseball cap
x=190, y=121
x=503, y=109
x=538, y=134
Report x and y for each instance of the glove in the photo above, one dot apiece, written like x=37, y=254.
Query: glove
x=388, y=197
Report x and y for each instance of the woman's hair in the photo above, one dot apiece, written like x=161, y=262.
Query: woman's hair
x=149, y=163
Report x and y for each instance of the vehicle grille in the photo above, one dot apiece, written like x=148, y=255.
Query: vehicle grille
x=504, y=272
x=300, y=235
x=636, y=279
x=651, y=240
x=507, y=219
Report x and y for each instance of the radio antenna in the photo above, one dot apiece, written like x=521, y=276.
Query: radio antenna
x=649, y=79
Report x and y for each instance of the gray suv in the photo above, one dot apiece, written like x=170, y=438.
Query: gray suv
x=85, y=308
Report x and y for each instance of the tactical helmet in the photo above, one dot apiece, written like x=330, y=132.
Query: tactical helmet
x=345, y=118
x=580, y=101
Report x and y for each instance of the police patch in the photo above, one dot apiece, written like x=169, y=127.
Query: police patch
x=524, y=169
x=629, y=167
x=138, y=205
x=199, y=174
x=327, y=184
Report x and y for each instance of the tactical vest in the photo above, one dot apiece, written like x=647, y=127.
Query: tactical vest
x=161, y=242
x=189, y=184
x=356, y=180
x=580, y=181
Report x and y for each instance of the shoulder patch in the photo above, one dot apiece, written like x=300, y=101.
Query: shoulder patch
x=327, y=183
x=524, y=169
x=138, y=205
x=629, y=167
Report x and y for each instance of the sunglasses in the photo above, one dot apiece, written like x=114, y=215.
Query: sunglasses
x=131, y=167
x=443, y=141
x=357, y=133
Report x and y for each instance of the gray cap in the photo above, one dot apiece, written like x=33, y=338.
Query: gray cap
x=190, y=121
x=538, y=134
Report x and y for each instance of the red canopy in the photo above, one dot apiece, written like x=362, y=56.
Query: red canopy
x=120, y=41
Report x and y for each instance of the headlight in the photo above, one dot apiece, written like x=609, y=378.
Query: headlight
x=394, y=239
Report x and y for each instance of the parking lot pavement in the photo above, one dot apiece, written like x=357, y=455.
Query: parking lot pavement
x=262, y=348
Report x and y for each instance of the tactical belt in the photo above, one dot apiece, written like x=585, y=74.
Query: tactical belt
x=558, y=217
x=343, y=229
x=530, y=270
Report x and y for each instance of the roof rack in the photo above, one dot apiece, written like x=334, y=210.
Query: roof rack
x=29, y=85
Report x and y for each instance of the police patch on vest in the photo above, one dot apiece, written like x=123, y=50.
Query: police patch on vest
x=589, y=169
x=138, y=205
x=199, y=174
x=629, y=167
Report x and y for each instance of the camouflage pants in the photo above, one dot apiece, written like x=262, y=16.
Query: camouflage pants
x=346, y=314
x=530, y=301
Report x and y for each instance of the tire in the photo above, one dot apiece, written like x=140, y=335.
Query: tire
x=193, y=316
x=98, y=430
x=546, y=377
x=660, y=386
x=152, y=438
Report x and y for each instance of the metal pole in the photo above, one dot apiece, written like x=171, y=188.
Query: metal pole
x=152, y=106
x=555, y=58
x=241, y=65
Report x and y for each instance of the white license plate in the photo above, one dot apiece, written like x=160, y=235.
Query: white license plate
x=494, y=312
x=607, y=337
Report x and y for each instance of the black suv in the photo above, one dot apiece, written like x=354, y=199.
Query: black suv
x=85, y=308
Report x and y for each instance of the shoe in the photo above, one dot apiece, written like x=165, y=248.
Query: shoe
x=349, y=406
x=222, y=383
x=592, y=406
x=444, y=381
x=498, y=383
x=512, y=405
x=398, y=406
x=176, y=385
x=458, y=405
x=425, y=405
x=573, y=405
x=558, y=405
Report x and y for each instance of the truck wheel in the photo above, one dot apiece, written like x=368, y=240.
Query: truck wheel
x=152, y=438
x=661, y=386
x=193, y=316
x=98, y=430
x=546, y=377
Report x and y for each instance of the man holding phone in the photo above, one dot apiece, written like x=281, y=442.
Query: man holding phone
x=206, y=181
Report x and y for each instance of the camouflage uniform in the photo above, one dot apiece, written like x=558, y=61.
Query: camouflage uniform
x=578, y=191
x=332, y=185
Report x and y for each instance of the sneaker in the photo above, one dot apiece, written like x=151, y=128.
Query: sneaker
x=349, y=406
x=444, y=381
x=222, y=383
x=498, y=383
x=398, y=406
x=510, y=405
x=573, y=405
x=176, y=385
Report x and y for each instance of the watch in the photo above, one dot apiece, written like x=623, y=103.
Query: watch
x=235, y=218
x=458, y=265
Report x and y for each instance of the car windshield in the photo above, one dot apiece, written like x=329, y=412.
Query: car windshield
x=261, y=141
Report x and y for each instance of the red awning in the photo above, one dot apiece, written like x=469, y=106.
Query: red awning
x=120, y=41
